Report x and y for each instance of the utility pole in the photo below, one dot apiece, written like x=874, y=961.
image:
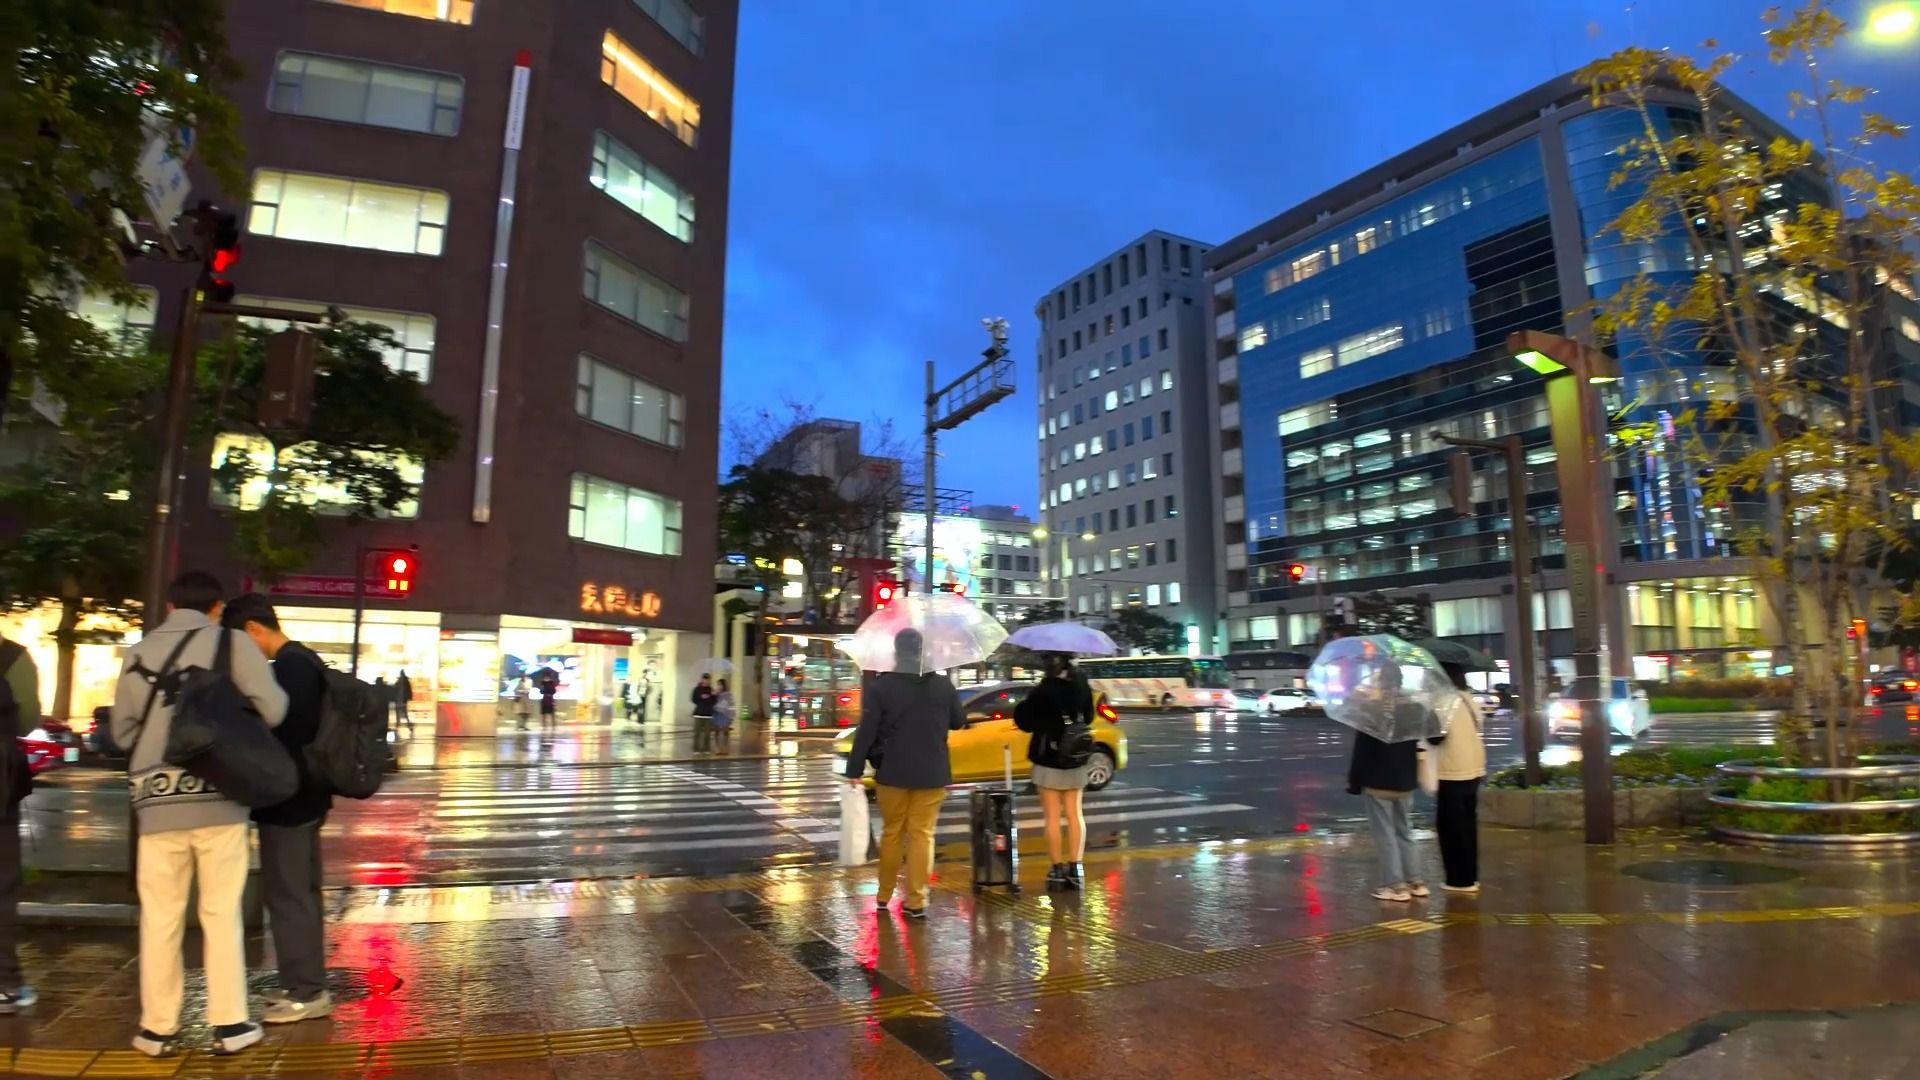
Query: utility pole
x=986, y=383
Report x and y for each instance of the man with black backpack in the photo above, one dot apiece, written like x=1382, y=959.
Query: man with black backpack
x=290, y=868
x=190, y=833
x=19, y=711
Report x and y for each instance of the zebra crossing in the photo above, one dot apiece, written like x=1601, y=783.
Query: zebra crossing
x=707, y=817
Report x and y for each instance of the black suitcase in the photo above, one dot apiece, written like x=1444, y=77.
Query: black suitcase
x=996, y=851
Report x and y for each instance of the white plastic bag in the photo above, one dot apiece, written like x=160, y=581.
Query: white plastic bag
x=856, y=832
x=1429, y=770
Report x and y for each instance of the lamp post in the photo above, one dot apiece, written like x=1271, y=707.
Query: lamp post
x=949, y=406
x=1572, y=372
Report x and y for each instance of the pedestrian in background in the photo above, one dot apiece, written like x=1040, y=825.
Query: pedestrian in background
x=1053, y=712
x=904, y=720
x=403, y=700
x=1386, y=775
x=1461, y=761
x=703, y=700
x=19, y=713
x=548, y=683
x=522, y=700
x=290, y=869
x=724, y=711
x=190, y=834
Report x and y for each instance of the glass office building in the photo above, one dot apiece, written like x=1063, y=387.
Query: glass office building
x=1355, y=331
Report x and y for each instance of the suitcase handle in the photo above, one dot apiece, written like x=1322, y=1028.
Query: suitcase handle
x=1006, y=752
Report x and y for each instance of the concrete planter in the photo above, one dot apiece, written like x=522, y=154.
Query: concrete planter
x=1633, y=808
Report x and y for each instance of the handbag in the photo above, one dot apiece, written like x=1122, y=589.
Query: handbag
x=855, y=831
x=1429, y=770
x=217, y=736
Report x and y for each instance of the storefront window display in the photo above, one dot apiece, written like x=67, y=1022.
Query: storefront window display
x=96, y=663
x=391, y=641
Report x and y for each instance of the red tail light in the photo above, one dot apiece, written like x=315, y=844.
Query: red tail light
x=1107, y=713
x=1878, y=690
x=1911, y=685
x=846, y=699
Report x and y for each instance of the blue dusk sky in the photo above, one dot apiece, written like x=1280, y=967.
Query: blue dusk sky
x=903, y=168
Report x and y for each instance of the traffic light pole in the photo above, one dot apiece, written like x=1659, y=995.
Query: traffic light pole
x=360, y=555
x=986, y=383
x=163, y=530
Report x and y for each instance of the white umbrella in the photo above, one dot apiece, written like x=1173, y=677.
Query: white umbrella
x=717, y=666
x=953, y=632
x=1064, y=637
x=1379, y=684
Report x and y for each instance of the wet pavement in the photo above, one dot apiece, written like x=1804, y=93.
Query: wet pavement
x=1263, y=958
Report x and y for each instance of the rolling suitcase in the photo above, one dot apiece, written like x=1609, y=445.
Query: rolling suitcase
x=996, y=853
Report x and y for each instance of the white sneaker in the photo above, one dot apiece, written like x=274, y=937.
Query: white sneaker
x=17, y=1000
x=230, y=1039
x=154, y=1045
x=1392, y=892
x=288, y=1011
x=1473, y=888
x=1419, y=888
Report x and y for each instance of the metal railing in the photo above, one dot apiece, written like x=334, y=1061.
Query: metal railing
x=1873, y=769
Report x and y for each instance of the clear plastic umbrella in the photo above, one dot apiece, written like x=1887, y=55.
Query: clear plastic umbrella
x=1389, y=688
x=950, y=631
x=1064, y=637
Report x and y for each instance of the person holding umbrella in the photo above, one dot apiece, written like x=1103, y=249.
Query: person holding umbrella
x=1461, y=763
x=1058, y=713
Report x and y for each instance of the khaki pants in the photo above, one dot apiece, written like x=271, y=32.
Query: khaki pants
x=907, y=816
x=169, y=864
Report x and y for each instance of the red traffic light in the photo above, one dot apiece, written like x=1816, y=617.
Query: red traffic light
x=221, y=233
x=884, y=592
x=1296, y=572
x=398, y=568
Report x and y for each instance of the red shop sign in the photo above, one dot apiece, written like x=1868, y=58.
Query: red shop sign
x=584, y=636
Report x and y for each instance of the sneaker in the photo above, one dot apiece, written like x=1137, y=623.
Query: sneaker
x=1418, y=888
x=914, y=912
x=1473, y=888
x=230, y=1039
x=154, y=1045
x=289, y=1011
x=18, y=1000
x=1392, y=892
x=1057, y=877
x=273, y=995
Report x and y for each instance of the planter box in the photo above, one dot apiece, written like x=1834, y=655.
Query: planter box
x=1633, y=808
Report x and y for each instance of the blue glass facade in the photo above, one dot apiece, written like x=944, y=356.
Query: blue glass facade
x=1372, y=299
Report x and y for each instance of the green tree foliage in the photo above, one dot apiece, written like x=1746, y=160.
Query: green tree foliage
x=1138, y=628
x=1791, y=243
x=85, y=86
x=76, y=525
x=770, y=515
x=367, y=418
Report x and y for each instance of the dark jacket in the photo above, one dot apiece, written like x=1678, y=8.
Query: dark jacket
x=904, y=720
x=1382, y=766
x=302, y=675
x=1047, y=710
x=703, y=699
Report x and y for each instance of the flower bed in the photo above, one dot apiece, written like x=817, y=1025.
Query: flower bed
x=1655, y=787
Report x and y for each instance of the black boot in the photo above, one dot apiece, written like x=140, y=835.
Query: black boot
x=1057, y=878
x=1073, y=876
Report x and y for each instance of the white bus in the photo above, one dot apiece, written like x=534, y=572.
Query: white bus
x=1161, y=682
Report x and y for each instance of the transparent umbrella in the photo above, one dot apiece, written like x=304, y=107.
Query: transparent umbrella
x=1389, y=688
x=951, y=632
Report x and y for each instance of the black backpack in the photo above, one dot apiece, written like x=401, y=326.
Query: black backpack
x=1070, y=747
x=349, y=752
x=16, y=776
x=215, y=733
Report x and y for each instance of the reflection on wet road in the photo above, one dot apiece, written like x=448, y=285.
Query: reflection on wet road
x=1191, y=777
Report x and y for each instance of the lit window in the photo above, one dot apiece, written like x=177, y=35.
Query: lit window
x=351, y=213
x=632, y=293
x=1365, y=240
x=1166, y=379
x=241, y=464
x=356, y=92
x=604, y=512
x=1317, y=362
x=130, y=323
x=607, y=395
x=1153, y=596
x=679, y=20
x=1149, y=469
x=1253, y=336
x=648, y=90
x=1372, y=343
x=1438, y=321
x=412, y=348
x=1146, y=387
x=1173, y=592
x=640, y=186
x=1113, y=400
x=452, y=11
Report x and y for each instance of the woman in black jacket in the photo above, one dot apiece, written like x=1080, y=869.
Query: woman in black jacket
x=1056, y=713
x=1386, y=773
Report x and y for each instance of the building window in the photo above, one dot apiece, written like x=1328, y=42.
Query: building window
x=607, y=395
x=1153, y=596
x=1149, y=470
x=356, y=92
x=1372, y=343
x=647, y=90
x=680, y=21
x=1252, y=336
x=640, y=186
x=1146, y=428
x=351, y=213
x=130, y=324
x=449, y=11
x=632, y=293
x=1146, y=348
x=413, y=331
x=1173, y=592
x=1106, y=280
x=1166, y=463
x=231, y=448
x=1173, y=546
x=1317, y=362
x=1166, y=379
x=1153, y=550
x=1163, y=338
x=1133, y=516
x=603, y=512
x=1147, y=511
x=1166, y=421
x=1107, y=323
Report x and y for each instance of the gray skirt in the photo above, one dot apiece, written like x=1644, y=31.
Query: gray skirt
x=1046, y=776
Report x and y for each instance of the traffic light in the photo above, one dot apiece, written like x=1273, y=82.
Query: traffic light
x=884, y=591
x=220, y=234
x=398, y=568
x=954, y=587
x=1296, y=572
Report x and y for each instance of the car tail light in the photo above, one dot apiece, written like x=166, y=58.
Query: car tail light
x=1107, y=713
x=1878, y=690
x=1911, y=685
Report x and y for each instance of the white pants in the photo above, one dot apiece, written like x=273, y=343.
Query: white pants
x=169, y=863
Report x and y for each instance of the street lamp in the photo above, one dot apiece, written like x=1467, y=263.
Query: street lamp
x=986, y=383
x=1893, y=24
x=1571, y=371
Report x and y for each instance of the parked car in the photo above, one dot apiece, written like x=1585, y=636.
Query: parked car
x=1890, y=689
x=1247, y=701
x=1287, y=699
x=44, y=755
x=977, y=749
x=1628, y=712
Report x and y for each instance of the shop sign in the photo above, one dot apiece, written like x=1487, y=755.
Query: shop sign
x=585, y=636
x=598, y=599
x=322, y=585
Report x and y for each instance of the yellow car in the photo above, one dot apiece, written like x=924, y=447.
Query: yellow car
x=977, y=749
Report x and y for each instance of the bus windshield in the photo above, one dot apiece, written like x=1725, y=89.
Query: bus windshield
x=1210, y=674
